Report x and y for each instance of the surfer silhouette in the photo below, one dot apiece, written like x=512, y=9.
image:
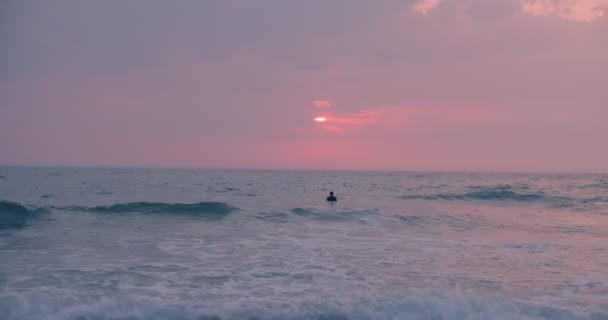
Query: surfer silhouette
x=331, y=197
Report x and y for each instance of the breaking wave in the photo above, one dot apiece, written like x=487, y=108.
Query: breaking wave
x=15, y=215
x=200, y=208
x=7, y=207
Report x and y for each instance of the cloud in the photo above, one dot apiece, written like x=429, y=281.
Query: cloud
x=360, y=118
x=425, y=6
x=321, y=103
x=573, y=10
x=343, y=123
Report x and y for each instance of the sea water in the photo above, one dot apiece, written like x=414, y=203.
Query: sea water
x=87, y=243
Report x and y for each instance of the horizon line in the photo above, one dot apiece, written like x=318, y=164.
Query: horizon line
x=163, y=167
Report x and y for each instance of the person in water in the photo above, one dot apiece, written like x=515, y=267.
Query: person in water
x=331, y=197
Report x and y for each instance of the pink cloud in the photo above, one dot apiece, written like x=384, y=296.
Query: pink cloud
x=361, y=118
x=321, y=103
x=381, y=116
x=574, y=10
x=425, y=6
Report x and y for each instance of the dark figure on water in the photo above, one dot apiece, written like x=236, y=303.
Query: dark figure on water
x=331, y=197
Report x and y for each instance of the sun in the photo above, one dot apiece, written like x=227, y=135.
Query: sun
x=320, y=119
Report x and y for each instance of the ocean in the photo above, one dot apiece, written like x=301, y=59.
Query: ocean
x=103, y=243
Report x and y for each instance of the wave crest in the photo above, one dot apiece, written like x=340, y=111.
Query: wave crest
x=497, y=193
x=218, y=208
x=14, y=215
x=7, y=207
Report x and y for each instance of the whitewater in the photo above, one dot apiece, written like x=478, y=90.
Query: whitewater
x=107, y=243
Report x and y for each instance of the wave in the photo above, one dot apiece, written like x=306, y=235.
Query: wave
x=200, y=208
x=15, y=215
x=352, y=215
x=463, y=223
x=595, y=200
x=413, y=306
x=7, y=207
x=602, y=185
x=496, y=193
x=278, y=217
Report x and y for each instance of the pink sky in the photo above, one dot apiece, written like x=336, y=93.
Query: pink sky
x=500, y=85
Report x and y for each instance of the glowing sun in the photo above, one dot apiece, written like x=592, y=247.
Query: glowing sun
x=320, y=119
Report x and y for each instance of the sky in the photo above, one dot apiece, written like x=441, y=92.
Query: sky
x=472, y=85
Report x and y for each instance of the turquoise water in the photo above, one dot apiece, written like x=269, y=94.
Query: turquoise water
x=83, y=243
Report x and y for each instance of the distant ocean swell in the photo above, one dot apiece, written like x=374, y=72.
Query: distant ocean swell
x=219, y=208
x=506, y=193
x=16, y=211
x=14, y=214
x=420, y=304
